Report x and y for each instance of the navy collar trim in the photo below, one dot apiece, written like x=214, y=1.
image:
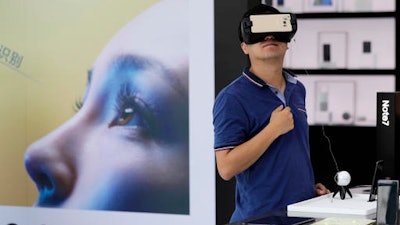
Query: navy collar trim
x=260, y=83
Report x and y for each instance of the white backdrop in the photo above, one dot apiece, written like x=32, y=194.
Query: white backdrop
x=202, y=165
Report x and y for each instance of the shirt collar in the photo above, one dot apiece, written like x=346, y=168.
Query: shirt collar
x=289, y=77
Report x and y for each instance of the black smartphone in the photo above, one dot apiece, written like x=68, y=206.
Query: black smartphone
x=377, y=176
x=387, y=208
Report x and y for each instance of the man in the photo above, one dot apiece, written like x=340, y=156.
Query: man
x=260, y=122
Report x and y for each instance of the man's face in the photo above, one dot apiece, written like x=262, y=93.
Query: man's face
x=269, y=48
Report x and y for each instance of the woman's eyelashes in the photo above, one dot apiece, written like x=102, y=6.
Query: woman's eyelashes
x=78, y=105
x=132, y=111
x=79, y=102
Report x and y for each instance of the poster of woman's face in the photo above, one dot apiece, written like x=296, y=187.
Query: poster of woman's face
x=101, y=111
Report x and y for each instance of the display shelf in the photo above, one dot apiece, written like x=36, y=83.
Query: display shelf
x=344, y=15
x=342, y=55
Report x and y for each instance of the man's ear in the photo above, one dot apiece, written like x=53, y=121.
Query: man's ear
x=244, y=48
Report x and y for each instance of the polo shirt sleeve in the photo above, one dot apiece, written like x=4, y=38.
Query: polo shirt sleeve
x=230, y=122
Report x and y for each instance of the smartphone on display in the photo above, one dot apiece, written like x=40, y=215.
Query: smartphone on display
x=387, y=210
x=377, y=176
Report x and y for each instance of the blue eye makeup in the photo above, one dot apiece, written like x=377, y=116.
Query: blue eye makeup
x=130, y=99
x=132, y=111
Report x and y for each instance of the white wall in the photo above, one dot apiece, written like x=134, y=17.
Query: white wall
x=305, y=48
x=340, y=94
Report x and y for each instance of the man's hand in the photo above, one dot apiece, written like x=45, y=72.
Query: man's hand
x=281, y=120
x=320, y=189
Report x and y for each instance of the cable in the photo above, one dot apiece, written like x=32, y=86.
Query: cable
x=330, y=147
x=327, y=138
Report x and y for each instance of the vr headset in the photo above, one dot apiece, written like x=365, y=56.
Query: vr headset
x=255, y=28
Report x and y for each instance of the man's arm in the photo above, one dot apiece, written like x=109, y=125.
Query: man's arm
x=233, y=161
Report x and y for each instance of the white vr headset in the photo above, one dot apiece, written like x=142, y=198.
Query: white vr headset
x=255, y=28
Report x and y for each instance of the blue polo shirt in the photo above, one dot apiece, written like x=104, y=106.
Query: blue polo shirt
x=283, y=174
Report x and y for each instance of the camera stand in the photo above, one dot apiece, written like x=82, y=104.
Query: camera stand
x=342, y=179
